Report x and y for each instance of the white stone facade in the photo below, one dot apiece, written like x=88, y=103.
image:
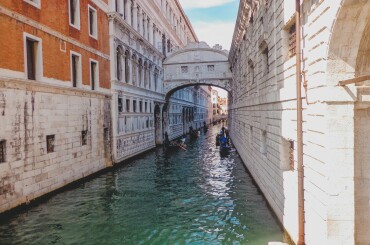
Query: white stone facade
x=263, y=113
x=142, y=34
x=32, y=111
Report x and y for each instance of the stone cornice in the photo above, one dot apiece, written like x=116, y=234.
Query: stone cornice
x=242, y=21
x=187, y=20
x=29, y=85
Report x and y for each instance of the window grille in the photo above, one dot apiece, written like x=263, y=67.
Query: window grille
x=211, y=67
x=2, y=151
x=50, y=142
x=84, y=137
x=120, y=106
x=291, y=154
x=184, y=69
x=292, y=41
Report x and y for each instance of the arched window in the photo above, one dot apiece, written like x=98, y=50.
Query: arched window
x=127, y=68
x=134, y=69
x=150, y=76
x=168, y=46
x=140, y=75
x=145, y=74
x=164, y=45
x=155, y=79
x=119, y=58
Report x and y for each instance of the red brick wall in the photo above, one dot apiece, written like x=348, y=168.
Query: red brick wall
x=56, y=63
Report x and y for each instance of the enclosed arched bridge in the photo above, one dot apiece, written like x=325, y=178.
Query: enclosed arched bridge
x=197, y=64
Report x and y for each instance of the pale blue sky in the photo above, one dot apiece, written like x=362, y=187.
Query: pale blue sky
x=213, y=20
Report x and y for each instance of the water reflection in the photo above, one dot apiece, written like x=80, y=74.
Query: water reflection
x=179, y=197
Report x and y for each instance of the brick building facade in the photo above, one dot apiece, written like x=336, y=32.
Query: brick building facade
x=54, y=95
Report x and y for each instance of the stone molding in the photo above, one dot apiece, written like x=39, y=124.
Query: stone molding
x=24, y=84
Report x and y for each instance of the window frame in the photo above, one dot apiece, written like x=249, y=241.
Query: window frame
x=39, y=68
x=79, y=70
x=51, y=136
x=3, y=151
x=96, y=73
x=78, y=15
x=84, y=137
x=95, y=16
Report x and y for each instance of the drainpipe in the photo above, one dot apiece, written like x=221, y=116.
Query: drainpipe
x=301, y=221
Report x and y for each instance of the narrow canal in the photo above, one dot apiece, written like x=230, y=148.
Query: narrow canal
x=182, y=197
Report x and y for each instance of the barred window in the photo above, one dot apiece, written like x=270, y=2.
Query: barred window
x=50, y=142
x=184, y=69
x=84, y=137
x=211, y=67
x=2, y=150
x=292, y=41
x=291, y=154
x=120, y=105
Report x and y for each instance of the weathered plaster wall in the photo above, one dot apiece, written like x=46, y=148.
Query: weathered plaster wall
x=30, y=111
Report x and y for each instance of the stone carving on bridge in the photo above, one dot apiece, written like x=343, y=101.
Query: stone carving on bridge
x=197, y=64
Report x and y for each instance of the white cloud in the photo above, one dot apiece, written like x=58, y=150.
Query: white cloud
x=193, y=4
x=215, y=33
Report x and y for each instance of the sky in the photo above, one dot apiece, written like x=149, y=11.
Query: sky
x=212, y=20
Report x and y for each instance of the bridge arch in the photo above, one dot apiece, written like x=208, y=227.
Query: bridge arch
x=197, y=64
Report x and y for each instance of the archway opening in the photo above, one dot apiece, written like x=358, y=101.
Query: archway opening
x=194, y=107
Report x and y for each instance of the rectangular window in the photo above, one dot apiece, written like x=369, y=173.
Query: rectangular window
x=263, y=142
x=211, y=67
x=2, y=150
x=184, y=69
x=291, y=154
x=74, y=13
x=134, y=105
x=84, y=137
x=120, y=105
x=141, y=106
x=50, y=142
x=146, y=107
x=94, y=74
x=33, y=68
x=76, y=69
x=31, y=59
x=127, y=105
x=292, y=41
x=93, y=22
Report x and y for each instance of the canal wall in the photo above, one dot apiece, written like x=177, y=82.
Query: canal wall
x=263, y=113
x=53, y=136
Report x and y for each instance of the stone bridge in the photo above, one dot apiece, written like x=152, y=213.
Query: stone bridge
x=197, y=64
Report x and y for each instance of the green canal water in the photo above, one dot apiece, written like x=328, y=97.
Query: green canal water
x=180, y=197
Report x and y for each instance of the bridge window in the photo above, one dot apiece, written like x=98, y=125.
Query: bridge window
x=184, y=69
x=211, y=67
